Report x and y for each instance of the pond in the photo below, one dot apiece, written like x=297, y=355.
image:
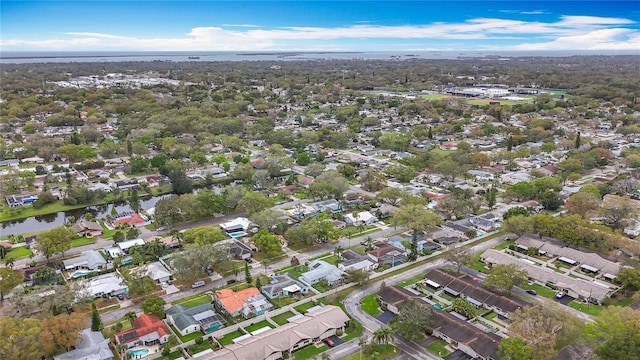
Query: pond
x=49, y=221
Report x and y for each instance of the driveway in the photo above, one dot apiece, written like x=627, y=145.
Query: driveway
x=385, y=317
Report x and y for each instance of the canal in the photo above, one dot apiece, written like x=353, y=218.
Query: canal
x=49, y=221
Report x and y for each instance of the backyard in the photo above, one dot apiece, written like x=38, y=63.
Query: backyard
x=257, y=326
x=282, y=318
x=309, y=352
x=302, y=308
x=228, y=339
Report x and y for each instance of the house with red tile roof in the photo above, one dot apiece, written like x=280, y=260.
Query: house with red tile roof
x=134, y=219
x=146, y=330
x=244, y=302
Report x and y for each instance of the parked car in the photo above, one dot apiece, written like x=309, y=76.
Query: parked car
x=559, y=294
x=532, y=292
x=329, y=342
x=231, y=281
x=249, y=260
x=120, y=296
x=197, y=284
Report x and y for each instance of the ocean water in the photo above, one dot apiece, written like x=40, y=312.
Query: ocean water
x=16, y=57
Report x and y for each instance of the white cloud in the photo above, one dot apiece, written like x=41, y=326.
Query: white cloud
x=569, y=32
x=605, y=39
x=523, y=12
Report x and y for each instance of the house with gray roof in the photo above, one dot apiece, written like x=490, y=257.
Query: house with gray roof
x=318, y=270
x=284, y=285
x=89, y=260
x=91, y=346
x=188, y=320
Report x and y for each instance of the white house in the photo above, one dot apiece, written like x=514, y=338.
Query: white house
x=362, y=218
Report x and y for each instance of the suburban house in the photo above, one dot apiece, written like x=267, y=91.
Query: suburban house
x=191, y=319
x=462, y=285
x=299, y=332
x=422, y=245
x=106, y=285
x=362, y=218
x=156, y=271
x=146, y=330
x=87, y=228
x=462, y=335
x=284, y=285
x=239, y=250
x=594, y=291
x=237, y=225
x=124, y=246
x=354, y=261
x=392, y=297
x=20, y=200
x=91, y=346
x=387, y=254
x=244, y=302
x=88, y=260
x=129, y=219
x=318, y=270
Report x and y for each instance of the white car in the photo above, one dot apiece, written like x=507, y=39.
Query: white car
x=560, y=295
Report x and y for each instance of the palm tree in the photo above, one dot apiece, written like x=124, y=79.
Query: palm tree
x=131, y=316
x=338, y=250
x=383, y=335
x=176, y=235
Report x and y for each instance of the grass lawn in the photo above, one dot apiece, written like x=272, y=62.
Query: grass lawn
x=300, y=247
x=360, y=249
x=298, y=270
x=109, y=331
x=384, y=352
x=432, y=96
x=18, y=253
x=412, y=280
x=370, y=304
x=478, y=265
x=195, y=348
x=438, y=347
x=282, y=318
x=194, y=300
x=304, y=307
x=439, y=151
x=333, y=259
x=540, y=290
x=621, y=302
x=228, y=339
x=187, y=337
x=257, y=326
x=587, y=309
x=490, y=316
x=322, y=288
x=82, y=241
x=309, y=352
x=108, y=308
x=504, y=245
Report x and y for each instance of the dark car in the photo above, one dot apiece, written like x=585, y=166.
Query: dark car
x=532, y=292
x=329, y=342
x=231, y=281
x=120, y=296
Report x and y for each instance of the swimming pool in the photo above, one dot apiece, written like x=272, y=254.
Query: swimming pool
x=479, y=232
x=80, y=273
x=139, y=352
x=238, y=234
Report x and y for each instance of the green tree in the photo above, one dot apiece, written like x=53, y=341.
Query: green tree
x=391, y=196
x=514, y=348
x=247, y=274
x=521, y=191
x=615, y=333
x=269, y=245
x=303, y=158
x=464, y=307
x=203, y=235
x=413, y=321
x=9, y=279
x=270, y=219
x=253, y=202
x=401, y=172
x=515, y=211
x=629, y=278
x=138, y=282
x=56, y=240
x=359, y=277
x=153, y=305
x=581, y=203
x=20, y=338
x=459, y=255
x=550, y=200
x=417, y=219
x=383, y=335
x=503, y=277
x=96, y=322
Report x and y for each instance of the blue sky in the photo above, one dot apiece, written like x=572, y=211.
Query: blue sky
x=319, y=25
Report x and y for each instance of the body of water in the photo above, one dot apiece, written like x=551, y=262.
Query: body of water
x=49, y=221
x=15, y=57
